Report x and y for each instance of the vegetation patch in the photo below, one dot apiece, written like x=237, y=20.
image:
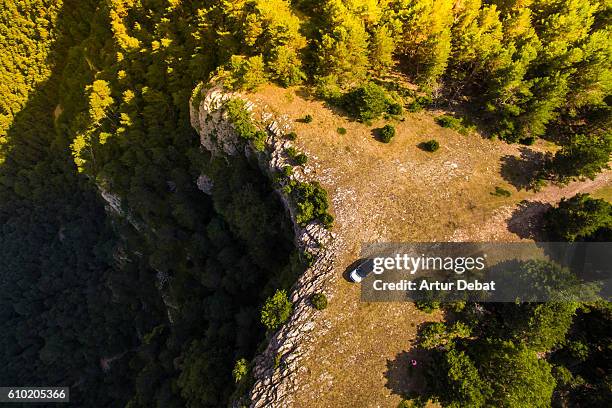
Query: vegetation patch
x=240, y=118
x=419, y=103
x=429, y=146
x=369, y=101
x=386, y=133
x=311, y=202
x=454, y=123
x=276, y=310
x=319, y=301
x=580, y=218
x=341, y=131
x=501, y=192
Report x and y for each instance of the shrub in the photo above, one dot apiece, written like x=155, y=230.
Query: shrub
x=342, y=131
x=395, y=108
x=427, y=306
x=298, y=158
x=527, y=141
x=366, y=102
x=419, y=103
x=501, y=192
x=259, y=140
x=327, y=220
x=430, y=145
x=447, y=121
x=327, y=88
x=243, y=72
x=301, y=159
x=438, y=334
x=291, y=152
x=277, y=360
x=241, y=369
x=562, y=375
x=287, y=171
x=311, y=202
x=386, y=133
x=276, y=310
x=291, y=136
x=584, y=156
x=197, y=95
x=579, y=218
x=240, y=118
x=307, y=119
x=451, y=122
x=319, y=301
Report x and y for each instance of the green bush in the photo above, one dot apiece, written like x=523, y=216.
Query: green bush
x=430, y=145
x=243, y=73
x=241, y=369
x=427, y=306
x=366, y=102
x=419, y=103
x=579, y=218
x=342, y=131
x=291, y=136
x=583, y=156
x=501, y=192
x=287, y=171
x=319, y=301
x=327, y=220
x=259, y=140
x=307, y=119
x=276, y=310
x=327, y=88
x=301, y=159
x=395, y=108
x=240, y=118
x=386, y=133
x=291, y=152
x=450, y=122
x=298, y=158
x=311, y=202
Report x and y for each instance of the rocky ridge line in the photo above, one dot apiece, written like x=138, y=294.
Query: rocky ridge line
x=275, y=369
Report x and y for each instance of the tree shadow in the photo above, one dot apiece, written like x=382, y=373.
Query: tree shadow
x=305, y=93
x=404, y=378
x=523, y=171
x=527, y=220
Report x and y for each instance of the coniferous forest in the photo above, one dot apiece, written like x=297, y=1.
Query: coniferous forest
x=154, y=305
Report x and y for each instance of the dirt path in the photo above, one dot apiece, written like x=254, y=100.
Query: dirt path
x=523, y=221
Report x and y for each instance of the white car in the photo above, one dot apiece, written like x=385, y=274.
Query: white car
x=361, y=271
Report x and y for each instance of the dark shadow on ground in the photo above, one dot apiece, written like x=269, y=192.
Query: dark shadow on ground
x=527, y=220
x=522, y=171
x=404, y=378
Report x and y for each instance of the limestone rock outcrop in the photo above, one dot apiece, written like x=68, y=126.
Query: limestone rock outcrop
x=276, y=367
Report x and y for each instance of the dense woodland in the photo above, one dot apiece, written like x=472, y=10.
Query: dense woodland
x=152, y=307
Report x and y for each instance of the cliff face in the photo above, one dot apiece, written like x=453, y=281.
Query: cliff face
x=275, y=368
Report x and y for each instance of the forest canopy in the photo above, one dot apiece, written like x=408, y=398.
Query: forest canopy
x=153, y=304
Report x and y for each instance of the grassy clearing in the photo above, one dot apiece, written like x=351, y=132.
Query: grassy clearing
x=604, y=193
